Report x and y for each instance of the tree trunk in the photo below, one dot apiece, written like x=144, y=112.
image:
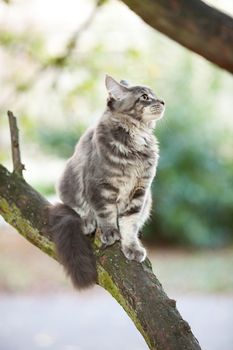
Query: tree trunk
x=133, y=285
x=194, y=24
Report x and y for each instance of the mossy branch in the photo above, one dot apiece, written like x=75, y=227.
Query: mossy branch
x=133, y=285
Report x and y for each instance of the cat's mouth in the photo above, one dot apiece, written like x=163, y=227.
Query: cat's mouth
x=157, y=108
x=154, y=112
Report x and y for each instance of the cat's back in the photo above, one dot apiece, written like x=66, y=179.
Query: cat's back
x=84, y=150
x=85, y=141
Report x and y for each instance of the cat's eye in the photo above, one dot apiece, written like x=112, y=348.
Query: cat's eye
x=145, y=97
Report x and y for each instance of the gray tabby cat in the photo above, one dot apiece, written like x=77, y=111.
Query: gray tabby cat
x=107, y=181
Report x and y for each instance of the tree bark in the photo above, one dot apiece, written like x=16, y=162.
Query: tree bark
x=194, y=24
x=15, y=151
x=133, y=285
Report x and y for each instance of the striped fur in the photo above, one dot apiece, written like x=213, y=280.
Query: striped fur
x=107, y=180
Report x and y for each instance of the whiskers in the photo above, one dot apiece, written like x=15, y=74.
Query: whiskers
x=157, y=109
x=164, y=124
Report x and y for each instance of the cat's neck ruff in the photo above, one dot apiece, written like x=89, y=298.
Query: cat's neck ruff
x=128, y=123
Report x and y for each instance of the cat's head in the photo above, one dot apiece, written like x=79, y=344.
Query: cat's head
x=137, y=102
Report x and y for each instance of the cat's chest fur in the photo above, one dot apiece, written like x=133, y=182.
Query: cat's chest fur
x=140, y=170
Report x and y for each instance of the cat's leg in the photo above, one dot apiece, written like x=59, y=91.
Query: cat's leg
x=130, y=222
x=145, y=213
x=89, y=224
x=107, y=222
x=130, y=243
x=70, y=192
x=103, y=200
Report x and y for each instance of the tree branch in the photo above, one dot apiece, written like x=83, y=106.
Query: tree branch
x=133, y=285
x=194, y=24
x=15, y=150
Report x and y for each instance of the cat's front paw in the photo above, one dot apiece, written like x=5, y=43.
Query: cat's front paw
x=134, y=252
x=88, y=227
x=109, y=236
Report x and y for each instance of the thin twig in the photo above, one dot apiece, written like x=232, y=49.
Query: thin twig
x=71, y=45
x=15, y=149
x=57, y=61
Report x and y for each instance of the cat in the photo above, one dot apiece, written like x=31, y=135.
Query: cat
x=107, y=181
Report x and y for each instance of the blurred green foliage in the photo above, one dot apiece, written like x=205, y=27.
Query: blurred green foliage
x=58, y=141
x=57, y=98
x=193, y=191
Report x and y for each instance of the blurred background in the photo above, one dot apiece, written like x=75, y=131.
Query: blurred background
x=53, y=59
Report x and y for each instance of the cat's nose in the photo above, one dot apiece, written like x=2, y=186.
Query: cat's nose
x=162, y=102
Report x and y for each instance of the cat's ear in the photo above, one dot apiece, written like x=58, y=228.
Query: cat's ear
x=115, y=89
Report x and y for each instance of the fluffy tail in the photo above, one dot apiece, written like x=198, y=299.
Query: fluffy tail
x=73, y=248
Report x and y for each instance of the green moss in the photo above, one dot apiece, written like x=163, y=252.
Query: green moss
x=97, y=241
x=106, y=281
x=13, y=216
